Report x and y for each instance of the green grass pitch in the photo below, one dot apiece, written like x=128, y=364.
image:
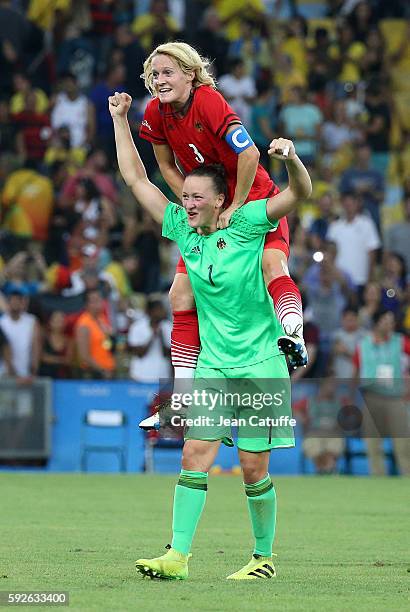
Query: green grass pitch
x=342, y=543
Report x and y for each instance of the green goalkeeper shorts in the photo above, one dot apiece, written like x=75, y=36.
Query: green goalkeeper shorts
x=254, y=400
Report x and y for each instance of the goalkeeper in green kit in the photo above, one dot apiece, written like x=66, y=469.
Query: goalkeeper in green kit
x=238, y=340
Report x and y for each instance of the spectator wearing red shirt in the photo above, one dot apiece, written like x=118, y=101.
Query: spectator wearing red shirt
x=102, y=28
x=34, y=132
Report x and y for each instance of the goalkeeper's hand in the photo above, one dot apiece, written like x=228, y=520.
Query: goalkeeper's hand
x=281, y=148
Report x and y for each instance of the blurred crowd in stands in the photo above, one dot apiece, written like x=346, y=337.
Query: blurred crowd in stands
x=84, y=272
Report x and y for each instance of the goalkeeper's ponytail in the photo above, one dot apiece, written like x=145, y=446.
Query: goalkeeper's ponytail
x=217, y=173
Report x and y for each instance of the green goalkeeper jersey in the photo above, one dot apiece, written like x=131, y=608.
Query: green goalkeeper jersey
x=237, y=321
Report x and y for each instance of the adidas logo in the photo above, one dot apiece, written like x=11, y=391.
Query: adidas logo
x=269, y=572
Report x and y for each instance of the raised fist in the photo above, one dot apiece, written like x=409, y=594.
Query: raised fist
x=119, y=104
x=281, y=148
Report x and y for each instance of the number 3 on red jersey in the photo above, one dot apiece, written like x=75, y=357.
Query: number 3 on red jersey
x=199, y=158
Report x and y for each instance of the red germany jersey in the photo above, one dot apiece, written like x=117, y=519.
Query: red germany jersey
x=198, y=137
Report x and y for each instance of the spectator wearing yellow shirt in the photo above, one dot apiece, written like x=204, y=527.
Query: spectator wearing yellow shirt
x=233, y=12
x=348, y=53
x=397, y=40
x=286, y=76
x=398, y=54
x=122, y=270
x=60, y=150
x=27, y=200
x=252, y=48
x=23, y=87
x=294, y=44
x=45, y=13
x=156, y=26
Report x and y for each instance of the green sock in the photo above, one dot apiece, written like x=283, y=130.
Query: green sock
x=189, y=501
x=262, y=508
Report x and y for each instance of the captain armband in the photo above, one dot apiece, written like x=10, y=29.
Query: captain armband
x=239, y=139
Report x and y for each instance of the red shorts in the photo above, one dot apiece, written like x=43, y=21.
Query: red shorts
x=278, y=239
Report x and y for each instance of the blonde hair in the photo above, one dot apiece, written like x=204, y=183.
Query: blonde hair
x=187, y=58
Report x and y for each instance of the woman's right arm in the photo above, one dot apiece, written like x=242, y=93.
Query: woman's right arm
x=169, y=170
x=131, y=167
x=299, y=187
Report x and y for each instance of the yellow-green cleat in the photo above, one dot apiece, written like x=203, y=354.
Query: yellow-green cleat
x=171, y=566
x=258, y=567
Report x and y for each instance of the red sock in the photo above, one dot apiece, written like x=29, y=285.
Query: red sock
x=185, y=344
x=288, y=304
